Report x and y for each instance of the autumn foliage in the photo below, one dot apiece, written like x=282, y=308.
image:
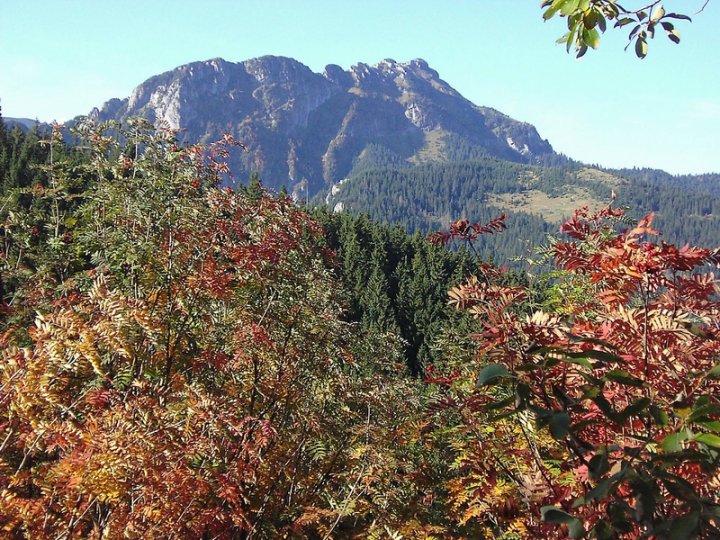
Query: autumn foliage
x=177, y=361
x=601, y=418
x=196, y=380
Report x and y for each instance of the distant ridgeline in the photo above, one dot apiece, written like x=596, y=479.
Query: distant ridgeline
x=309, y=130
x=26, y=124
x=536, y=198
x=398, y=143
x=702, y=183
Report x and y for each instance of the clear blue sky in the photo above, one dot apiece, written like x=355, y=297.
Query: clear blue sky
x=60, y=58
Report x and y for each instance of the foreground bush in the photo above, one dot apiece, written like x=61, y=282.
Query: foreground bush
x=195, y=379
x=602, y=414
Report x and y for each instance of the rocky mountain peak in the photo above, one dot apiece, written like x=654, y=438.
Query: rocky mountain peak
x=276, y=69
x=307, y=129
x=338, y=76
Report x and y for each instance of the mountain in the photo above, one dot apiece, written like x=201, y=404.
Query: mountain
x=397, y=142
x=25, y=124
x=310, y=130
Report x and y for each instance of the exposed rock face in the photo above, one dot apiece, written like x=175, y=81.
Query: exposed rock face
x=309, y=130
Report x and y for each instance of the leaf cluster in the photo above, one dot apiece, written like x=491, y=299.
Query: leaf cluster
x=624, y=384
x=588, y=19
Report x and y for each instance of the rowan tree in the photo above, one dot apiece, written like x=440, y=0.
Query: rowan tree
x=198, y=380
x=602, y=416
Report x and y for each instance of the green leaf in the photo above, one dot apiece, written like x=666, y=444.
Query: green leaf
x=492, y=372
x=602, y=23
x=569, y=6
x=635, y=408
x=679, y=487
x=712, y=425
x=651, y=29
x=603, y=530
x=584, y=362
x=595, y=341
x=702, y=401
x=551, y=363
x=522, y=396
x=527, y=367
x=599, y=463
x=641, y=48
x=678, y=16
x=498, y=417
x=550, y=12
x=600, y=491
x=701, y=409
x=645, y=498
x=671, y=443
x=708, y=439
x=552, y=514
x=592, y=390
x=658, y=14
x=566, y=38
x=597, y=355
x=571, y=38
x=659, y=415
x=500, y=404
x=623, y=377
x=579, y=426
x=678, y=458
x=685, y=527
x=604, y=405
x=591, y=38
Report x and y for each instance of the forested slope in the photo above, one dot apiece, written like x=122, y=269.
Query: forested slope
x=537, y=200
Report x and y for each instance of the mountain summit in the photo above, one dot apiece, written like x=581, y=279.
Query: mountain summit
x=309, y=130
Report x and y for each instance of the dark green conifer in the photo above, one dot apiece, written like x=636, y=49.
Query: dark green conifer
x=254, y=188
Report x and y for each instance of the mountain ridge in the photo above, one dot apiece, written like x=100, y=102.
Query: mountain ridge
x=309, y=130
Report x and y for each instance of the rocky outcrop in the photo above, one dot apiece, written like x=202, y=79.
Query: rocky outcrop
x=309, y=130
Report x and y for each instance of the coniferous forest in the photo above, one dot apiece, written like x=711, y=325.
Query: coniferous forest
x=180, y=359
x=429, y=197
